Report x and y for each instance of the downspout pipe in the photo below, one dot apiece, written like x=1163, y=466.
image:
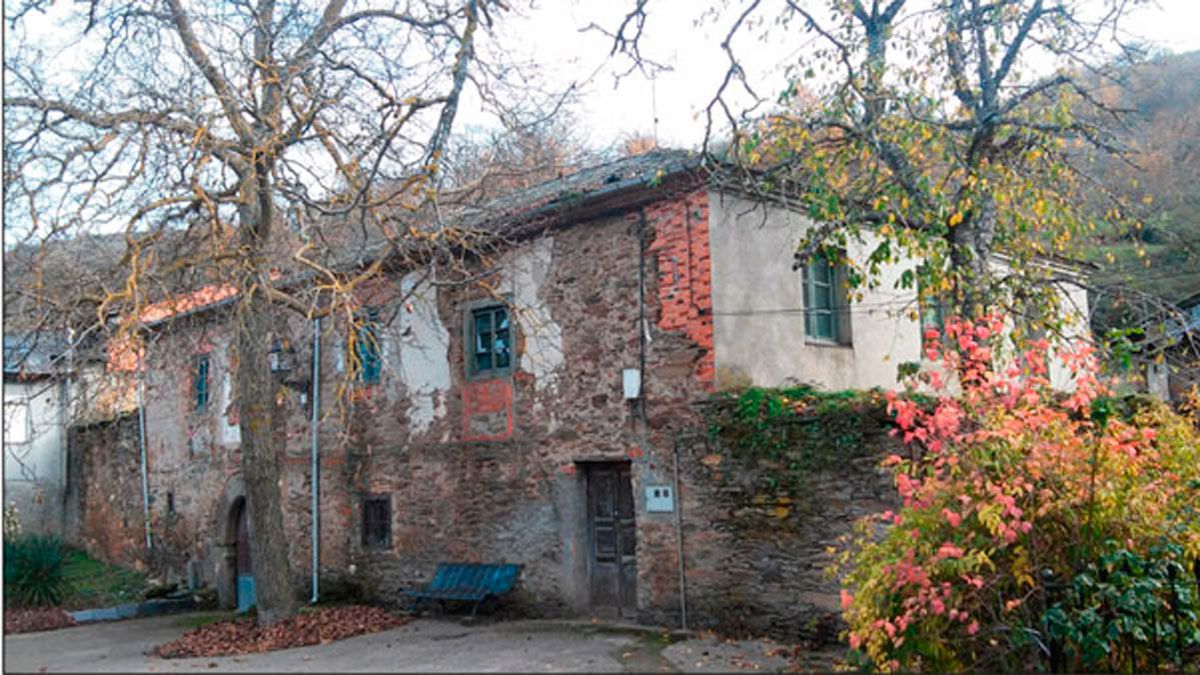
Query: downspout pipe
x=142, y=443
x=65, y=417
x=316, y=465
x=679, y=542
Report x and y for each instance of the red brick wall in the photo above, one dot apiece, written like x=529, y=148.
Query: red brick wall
x=487, y=410
x=685, y=272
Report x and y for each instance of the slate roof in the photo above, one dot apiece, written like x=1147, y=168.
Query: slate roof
x=33, y=353
x=643, y=170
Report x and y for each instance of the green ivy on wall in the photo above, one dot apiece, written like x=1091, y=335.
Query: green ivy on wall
x=792, y=432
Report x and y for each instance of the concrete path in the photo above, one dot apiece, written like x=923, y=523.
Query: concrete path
x=421, y=646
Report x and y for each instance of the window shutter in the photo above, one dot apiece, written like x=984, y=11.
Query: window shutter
x=809, y=305
x=841, y=295
x=200, y=383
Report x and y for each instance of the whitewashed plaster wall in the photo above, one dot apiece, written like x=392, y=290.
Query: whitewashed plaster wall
x=35, y=453
x=421, y=345
x=524, y=271
x=758, y=303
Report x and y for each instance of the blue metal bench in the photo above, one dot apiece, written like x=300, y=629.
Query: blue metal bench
x=467, y=582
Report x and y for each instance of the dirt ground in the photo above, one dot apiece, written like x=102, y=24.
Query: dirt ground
x=425, y=645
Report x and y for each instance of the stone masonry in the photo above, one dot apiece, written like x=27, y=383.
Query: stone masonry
x=490, y=469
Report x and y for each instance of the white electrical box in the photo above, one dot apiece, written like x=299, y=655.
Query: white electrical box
x=631, y=378
x=660, y=499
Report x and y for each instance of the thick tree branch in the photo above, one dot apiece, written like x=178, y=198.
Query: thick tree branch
x=196, y=53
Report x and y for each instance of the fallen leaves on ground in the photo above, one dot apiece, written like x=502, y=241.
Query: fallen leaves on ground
x=243, y=636
x=35, y=619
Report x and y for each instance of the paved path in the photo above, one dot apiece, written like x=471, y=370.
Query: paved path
x=421, y=646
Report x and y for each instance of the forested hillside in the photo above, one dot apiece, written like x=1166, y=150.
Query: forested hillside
x=1162, y=178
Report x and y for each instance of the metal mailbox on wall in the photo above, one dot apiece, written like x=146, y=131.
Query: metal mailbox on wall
x=660, y=499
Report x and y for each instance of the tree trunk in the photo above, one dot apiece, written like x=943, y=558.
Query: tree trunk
x=256, y=403
x=971, y=244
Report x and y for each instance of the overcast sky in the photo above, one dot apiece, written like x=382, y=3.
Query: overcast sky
x=680, y=37
x=552, y=35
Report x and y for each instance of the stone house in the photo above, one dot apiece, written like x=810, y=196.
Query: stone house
x=553, y=422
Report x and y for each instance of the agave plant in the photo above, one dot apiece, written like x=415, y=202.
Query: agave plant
x=33, y=570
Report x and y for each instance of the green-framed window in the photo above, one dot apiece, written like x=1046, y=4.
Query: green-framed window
x=367, y=347
x=200, y=383
x=826, y=305
x=490, y=340
x=933, y=313
x=934, y=304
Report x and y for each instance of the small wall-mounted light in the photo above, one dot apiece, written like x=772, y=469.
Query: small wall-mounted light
x=631, y=379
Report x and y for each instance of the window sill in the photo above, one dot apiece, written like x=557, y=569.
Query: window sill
x=491, y=375
x=818, y=342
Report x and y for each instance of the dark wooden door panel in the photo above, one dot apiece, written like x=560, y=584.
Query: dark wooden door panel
x=612, y=531
x=244, y=565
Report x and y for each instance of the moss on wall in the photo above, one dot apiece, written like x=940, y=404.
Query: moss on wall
x=795, y=431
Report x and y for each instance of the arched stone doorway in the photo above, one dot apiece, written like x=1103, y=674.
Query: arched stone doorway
x=231, y=548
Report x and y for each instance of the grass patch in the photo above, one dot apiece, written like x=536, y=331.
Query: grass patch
x=94, y=583
x=660, y=641
x=193, y=621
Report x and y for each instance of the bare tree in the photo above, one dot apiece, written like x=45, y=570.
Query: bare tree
x=488, y=165
x=945, y=130
x=238, y=143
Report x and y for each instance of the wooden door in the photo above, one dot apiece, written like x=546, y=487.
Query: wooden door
x=244, y=567
x=245, y=570
x=612, y=565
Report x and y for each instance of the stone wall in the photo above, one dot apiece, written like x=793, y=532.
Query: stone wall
x=499, y=476
x=103, y=502
x=775, y=580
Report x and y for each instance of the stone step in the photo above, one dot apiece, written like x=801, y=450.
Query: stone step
x=134, y=609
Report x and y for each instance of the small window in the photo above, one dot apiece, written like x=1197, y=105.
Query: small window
x=200, y=383
x=826, y=305
x=490, y=341
x=377, y=522
x=366, y=347
x=16, y=422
